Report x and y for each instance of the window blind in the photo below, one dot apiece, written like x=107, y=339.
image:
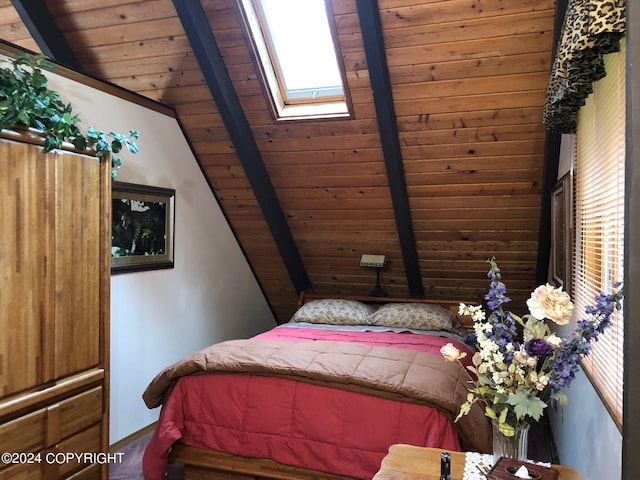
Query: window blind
x=599, y=221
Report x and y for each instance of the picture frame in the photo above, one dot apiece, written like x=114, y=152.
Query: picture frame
x=142, y=227
x=561, y=215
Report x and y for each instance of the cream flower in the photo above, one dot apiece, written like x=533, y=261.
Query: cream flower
x=476, y=359
x=554, y=340
x=451, y=353
x=542, y=382
x=552, y=303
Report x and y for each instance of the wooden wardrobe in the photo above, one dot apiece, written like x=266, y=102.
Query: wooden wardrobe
x=54, y=311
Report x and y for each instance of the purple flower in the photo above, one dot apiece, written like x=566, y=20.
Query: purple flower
x=504, y=325
x=471, y=339
x=578, y=344
x=537, y=347
x=496, y=296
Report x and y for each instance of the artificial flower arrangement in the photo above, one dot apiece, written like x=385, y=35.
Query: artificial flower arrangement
x=516, y=376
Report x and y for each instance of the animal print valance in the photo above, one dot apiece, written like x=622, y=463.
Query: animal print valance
x=591, y=29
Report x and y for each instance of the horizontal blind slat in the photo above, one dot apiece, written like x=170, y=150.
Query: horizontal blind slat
x=599, y=221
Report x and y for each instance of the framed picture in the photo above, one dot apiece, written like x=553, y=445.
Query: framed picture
x=561, y=233
x=141, y=227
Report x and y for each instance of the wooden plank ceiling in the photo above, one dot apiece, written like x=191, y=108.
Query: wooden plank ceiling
x=439, y=170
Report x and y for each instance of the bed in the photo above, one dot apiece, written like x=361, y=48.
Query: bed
x=322, y=396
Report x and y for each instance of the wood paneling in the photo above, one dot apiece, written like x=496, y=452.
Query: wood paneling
x=468, y=80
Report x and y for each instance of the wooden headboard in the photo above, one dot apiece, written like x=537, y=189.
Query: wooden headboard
x=449, y=304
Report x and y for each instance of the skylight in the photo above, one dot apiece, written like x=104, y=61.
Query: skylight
x=293, y=41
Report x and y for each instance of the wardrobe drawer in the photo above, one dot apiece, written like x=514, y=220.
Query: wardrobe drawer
x=47, y=426
x=24, y=434
x=87, y=441
x=78, y=412
x=53, y=463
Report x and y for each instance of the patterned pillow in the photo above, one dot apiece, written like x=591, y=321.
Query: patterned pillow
x=334, y=312
x=417, y=316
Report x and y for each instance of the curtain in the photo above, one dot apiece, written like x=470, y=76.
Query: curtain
x=591, y=29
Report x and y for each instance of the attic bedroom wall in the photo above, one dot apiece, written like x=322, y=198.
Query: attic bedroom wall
x=211, y=295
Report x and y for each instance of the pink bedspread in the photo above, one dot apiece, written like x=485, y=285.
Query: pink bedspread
x=430, y=343
x=299, y=423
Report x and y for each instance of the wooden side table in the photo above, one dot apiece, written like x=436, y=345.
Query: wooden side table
x=407, y=462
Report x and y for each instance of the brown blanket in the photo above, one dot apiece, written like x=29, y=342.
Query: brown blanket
x=395, y=373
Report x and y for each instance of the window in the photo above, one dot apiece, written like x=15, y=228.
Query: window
x=599, y=203
x=293, y=41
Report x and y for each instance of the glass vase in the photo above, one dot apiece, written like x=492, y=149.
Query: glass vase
x=511, y=447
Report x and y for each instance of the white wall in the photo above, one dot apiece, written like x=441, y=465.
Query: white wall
x=585, y=434
x=211, y=295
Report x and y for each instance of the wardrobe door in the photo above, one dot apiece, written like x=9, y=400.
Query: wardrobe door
x=77, y=255
x=22, y=267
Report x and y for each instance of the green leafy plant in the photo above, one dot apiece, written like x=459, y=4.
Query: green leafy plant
x=27, y=101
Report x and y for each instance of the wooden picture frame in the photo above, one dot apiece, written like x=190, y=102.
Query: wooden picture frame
x=561, y=214
x=142, y=227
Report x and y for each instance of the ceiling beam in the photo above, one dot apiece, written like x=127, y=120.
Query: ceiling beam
x=383, y=99
x=44, y=30
x=195, y=23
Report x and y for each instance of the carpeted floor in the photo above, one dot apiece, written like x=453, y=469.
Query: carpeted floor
x=540, y=448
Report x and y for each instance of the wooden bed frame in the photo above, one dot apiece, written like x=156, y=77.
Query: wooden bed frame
x=201, y=464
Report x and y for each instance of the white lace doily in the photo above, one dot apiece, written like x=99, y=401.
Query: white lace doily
x=473, y=460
